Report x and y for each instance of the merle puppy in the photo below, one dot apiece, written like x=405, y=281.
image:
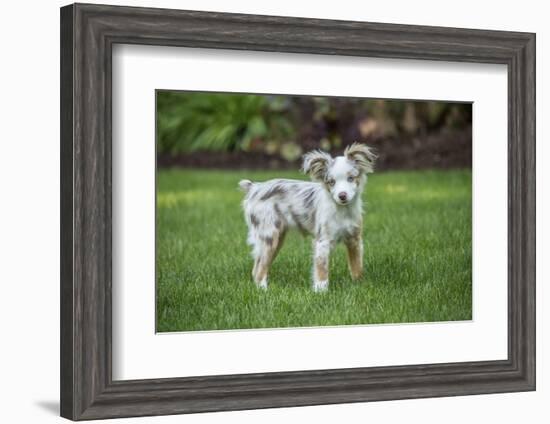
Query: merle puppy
x=330, y=208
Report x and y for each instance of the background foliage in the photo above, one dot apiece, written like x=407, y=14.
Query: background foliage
x=286, y=126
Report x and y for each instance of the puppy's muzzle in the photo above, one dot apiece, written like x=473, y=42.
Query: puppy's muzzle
x=343, y=196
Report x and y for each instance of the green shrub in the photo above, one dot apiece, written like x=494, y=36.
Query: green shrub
x=187, y=122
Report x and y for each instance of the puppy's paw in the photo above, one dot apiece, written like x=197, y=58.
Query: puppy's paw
x=320, y=286
x=356, y=275
x=262, y=284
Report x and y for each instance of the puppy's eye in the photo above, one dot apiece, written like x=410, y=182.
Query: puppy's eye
x=331, y=182
x=350, y=179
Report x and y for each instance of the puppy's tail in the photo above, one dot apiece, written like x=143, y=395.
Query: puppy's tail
x=245, y=185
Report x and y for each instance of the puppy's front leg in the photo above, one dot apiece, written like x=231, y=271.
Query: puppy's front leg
x=354, y=246
x=320, y=264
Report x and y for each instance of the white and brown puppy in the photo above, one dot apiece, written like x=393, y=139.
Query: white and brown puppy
x=330, y=208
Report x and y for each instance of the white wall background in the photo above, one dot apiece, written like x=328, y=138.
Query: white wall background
x=29, y=224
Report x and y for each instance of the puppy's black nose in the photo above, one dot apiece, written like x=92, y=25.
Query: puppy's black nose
x=342, y=196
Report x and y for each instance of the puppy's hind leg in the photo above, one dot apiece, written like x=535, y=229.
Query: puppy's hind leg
x=269, y=246
x=254, y=241
x=255, y=268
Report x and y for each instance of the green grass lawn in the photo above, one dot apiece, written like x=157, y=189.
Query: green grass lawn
x=418, y=256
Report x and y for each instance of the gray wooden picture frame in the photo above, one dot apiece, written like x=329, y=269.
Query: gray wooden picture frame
x=88, y=33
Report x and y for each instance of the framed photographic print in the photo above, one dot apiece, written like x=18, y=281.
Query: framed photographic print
x=264, y=212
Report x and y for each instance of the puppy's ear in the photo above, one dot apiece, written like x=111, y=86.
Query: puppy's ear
x=362, y=155
x=316, y=164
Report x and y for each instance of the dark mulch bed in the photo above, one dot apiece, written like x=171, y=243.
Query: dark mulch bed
x=446, y=149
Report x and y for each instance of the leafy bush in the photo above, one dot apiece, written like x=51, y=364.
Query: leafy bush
x=187, y=122
x=288, y=125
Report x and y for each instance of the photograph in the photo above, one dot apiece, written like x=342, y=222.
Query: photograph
x=287, y=211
